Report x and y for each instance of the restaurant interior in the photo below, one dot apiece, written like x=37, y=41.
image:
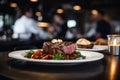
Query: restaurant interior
x=79, y=15
x=29, y=24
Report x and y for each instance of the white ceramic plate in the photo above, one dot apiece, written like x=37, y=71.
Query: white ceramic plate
x=95, y=48
x=90, y=56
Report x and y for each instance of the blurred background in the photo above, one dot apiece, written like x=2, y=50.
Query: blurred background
x=78, y=18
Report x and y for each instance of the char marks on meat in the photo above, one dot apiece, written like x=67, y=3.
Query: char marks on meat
x=58, y=47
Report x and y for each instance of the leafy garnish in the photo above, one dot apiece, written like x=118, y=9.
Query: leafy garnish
x=58, y=56
x=79, y=54
x=29, y=53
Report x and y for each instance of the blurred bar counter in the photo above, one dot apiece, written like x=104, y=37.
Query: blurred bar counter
x=105, y=69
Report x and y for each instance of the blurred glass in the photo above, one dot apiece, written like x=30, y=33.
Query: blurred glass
x=114, y=44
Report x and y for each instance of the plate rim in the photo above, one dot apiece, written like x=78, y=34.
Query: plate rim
x=84, y=49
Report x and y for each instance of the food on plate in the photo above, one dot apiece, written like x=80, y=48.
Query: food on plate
x=56, y=50
x=84, y=43
x=101, y=41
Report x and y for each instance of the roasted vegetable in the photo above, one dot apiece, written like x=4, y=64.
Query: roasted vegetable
x=36, y=54
x=47, y=57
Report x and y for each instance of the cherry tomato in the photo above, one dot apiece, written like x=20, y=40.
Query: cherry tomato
x=36, y=54
x=48, y=57
x=75, y=55
x=67, y=57
x=45, y=57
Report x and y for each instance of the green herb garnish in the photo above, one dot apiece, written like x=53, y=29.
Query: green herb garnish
x=79, y=54
x=29, y=53
x=58, y=56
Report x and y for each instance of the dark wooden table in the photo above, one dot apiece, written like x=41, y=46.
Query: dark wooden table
x=105, y=69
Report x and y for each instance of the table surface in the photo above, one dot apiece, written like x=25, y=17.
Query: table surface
x=105, y=69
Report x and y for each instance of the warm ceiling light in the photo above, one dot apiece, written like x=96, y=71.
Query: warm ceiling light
x=94, y=12
x=60, y=11
x=43, y=24
x=77, y=7
x=38, y=13
x=13, y=5
x=34, y=0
